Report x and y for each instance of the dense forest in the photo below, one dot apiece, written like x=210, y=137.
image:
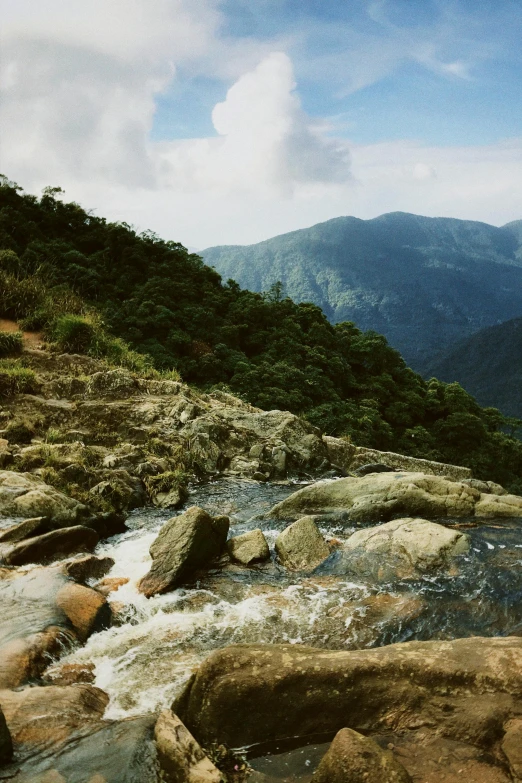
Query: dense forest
x=60, y=265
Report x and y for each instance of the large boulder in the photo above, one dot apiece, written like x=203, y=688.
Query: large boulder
x=184, y=544
x=245, y=694
x=6, y=745
x=495, y=505
x=24, y=495
x=382, y=496
x=301, y=546
x=410, y=545
x=50, y=546
x=87, y=610
x=181, y=757
x=353, y=758
x=248, y=548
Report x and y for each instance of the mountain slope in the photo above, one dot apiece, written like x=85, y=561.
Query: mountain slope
x=422, y=282
x=489, y=366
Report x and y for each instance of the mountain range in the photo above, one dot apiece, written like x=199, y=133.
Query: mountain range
x=425, y=283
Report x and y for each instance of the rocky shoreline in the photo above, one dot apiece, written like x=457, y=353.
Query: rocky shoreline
x=93, y=443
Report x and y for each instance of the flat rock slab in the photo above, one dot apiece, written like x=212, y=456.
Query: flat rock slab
x=51, y=546
x=246, y=694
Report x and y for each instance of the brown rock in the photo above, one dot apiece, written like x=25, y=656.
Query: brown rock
x=512, y=747
x=110, y=584
x=180, y=756
x=301, y=546
x=353, y=758
x=248, y=548
x=26, y=658
x=25, y=529
x=51, y=546
x=89, y=567
x=70, y=674
x=87, y=609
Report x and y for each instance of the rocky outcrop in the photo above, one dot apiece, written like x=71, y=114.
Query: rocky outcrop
x=512, y=747
x=353, y=758
x=6, y=744
x=406, y=546
x=24, y=495
x=301, y=546
x=184, y=544
x=181, y=757
x=378, y=497
x=248, y=548
x=465, y=689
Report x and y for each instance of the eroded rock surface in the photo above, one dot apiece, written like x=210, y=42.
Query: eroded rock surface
x=181, y=757
x=25, y=495
x=301, y=546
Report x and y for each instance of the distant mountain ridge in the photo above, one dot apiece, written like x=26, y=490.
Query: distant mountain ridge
x=424, y=283
x=488, y=365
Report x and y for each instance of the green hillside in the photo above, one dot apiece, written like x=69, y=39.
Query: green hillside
x=422, y=282
x=489, y=365
x=274, y=353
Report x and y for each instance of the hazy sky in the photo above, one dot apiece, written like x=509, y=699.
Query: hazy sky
x=230, y=121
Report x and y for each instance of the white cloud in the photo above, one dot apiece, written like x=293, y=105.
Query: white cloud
x=266, y=141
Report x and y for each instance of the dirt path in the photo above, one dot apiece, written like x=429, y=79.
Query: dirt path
x=30, y=339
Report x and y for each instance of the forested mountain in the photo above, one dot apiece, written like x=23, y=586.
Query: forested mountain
x=489, y=365
x=422, y=282
x=62, y=268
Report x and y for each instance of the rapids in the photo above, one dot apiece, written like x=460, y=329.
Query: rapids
x=144, y=660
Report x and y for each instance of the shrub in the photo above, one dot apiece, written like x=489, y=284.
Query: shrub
x=72, y=333
x=16, y=379
x=10, y=343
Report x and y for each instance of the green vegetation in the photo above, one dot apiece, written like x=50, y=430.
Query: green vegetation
x=15, y=378
x=164, y=302
x=10, y=343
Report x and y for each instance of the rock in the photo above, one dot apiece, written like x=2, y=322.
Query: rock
x=24, y=495
x=180, y=755
x=87, y=609
x=372, y=467
x=25, y=529
x=70, y=674
x=123, y=491
x=381, y=496
x=184, y=544
x=485, y=487
x=111, y=584
x=25, y=658
x=88, y=567
x=108, y=523
x=353, y=758
x=499, y=506
x=301, y=546
x=50, y=546
x=6, y=745
x=249, y=547
x=415, y=544
x=464, y=689
x=114, y=383
x=512, y=747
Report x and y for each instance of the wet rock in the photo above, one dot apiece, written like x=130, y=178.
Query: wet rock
x=123, y=491
x=381, y=496
x=24, y=659
x=111, y=584
x=244, y=694
x=70, y=674
x=353, y=758
x=512, y=747
x=301, y=546
x=24, y=495
x=6, y=745
x=179, y=754
x=108, y=523
x=86, y=609
x=184, y=544
x=25, y=529
x=50, y=546
x=407, y=545
x=249, y=547
x=89, y=567
x=372, y=467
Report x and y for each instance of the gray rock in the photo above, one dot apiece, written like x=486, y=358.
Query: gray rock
x=414, y=544
x=50, y=546
x=184, y=544
x=24, y=495
x=382, y=496
x=114, y=383
x=249, y=547
x=25, y=529
x=301, y=546
x=353, y=758
x=6, y=745
x=88, y=567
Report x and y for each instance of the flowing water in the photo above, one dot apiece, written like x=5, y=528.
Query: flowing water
x=143, y=662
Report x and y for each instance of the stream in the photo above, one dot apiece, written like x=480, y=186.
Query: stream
x=144, y=661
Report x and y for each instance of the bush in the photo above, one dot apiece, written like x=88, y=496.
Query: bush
x=16, y=379
x=72, y=333
x=10, y=343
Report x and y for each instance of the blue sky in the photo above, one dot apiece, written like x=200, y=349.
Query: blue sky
x=222, y=121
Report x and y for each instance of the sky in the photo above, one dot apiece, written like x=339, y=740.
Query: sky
x=218, y=122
